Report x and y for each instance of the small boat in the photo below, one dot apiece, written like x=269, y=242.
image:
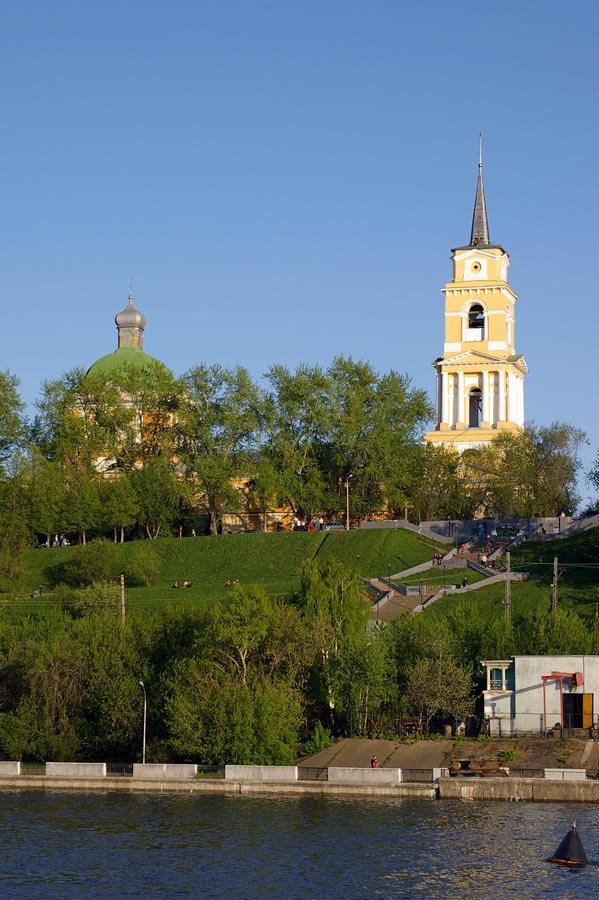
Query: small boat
x=570, y=851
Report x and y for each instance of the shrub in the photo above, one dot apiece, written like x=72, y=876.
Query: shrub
x=141, y=566
x=320, y=739
x=97, y=561
x=99, y=597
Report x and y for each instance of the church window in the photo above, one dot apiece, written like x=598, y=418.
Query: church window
x=475, y=404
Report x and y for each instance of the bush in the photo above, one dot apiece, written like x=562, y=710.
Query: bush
x=141, y=566
x=97, y=561
x=99, y=597
x=320, y=739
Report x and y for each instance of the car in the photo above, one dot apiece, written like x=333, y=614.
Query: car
x=333, y=526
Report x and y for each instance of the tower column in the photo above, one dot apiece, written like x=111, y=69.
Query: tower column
x=460, y=416
x=501, y=411
x=485, y=410
x=444, y=397
x=511, y=399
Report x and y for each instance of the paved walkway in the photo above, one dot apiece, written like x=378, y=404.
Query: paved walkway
x=390, y=754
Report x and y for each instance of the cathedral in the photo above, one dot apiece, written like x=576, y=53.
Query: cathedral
x=480, y=377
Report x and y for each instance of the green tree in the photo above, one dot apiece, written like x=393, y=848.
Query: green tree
x=46, y=493
x=337, y=614
x=12, y=424
x=161, y=496
x=297, y=419
x=119, y=504
x=375, y=431
x=440, y=686
x=445, y=488
x=215, y=718
x=77, y=419
x=149, y=406
x=218, y=431
x=532, y=473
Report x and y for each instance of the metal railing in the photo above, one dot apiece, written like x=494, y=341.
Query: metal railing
x=119, y=768
x=312, y=773
x=421, y=776
x=526, y=773
x=211, y=771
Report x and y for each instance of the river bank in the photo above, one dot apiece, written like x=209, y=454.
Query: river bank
x=537, y=790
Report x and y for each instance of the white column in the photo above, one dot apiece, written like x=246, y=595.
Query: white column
x=485, y=412
x=444, y=397
x=460, y=396
x=501, y=411
x=511, y=400
x=521, y=400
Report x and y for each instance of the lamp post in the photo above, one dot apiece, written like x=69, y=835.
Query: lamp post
x=346, y=482
x=143, y=746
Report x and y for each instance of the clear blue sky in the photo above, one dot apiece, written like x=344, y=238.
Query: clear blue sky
x=284, y=181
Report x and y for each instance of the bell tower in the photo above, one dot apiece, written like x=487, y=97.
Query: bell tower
x=480, y=377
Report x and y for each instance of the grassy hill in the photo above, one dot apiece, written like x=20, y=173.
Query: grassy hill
x=273, y=560
x=578, y=584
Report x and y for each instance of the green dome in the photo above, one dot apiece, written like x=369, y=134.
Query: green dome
x=124, y=356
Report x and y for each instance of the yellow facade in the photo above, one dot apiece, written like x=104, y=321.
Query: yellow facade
x=480, y=377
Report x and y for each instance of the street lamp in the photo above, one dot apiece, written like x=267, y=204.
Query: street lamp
x=143, y=746
x=346, y=482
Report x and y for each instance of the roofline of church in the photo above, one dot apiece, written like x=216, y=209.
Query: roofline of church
x=480, y=246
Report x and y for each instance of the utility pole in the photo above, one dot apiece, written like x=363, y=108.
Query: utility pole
x=122, y=579
x=507, y=603
x=554, y=585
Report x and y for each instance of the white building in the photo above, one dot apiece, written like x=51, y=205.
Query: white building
x=534, y=694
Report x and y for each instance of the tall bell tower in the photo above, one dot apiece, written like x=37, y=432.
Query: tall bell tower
x=480, y=377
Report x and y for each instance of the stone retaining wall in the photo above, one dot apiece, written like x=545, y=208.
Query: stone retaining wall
x=354, y=775
x=164, y=770
x=76, y=770
x=261, y=773
x=533, y=789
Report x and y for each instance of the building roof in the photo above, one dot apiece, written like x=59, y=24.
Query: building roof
x=125, y=356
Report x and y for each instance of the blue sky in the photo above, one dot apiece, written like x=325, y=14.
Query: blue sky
x=284, y=182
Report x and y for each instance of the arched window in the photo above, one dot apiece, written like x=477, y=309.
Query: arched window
x=476, y=316
x=475, y=406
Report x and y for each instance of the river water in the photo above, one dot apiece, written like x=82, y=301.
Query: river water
x=114, y=845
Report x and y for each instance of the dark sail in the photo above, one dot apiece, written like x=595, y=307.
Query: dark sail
x=570, y=852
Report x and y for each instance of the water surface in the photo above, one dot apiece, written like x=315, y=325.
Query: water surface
x=108, y=845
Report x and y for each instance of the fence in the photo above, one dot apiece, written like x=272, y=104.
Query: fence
x=312, y=773
x=421, y=776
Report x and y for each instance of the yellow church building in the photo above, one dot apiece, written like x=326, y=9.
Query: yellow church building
x=480, y=377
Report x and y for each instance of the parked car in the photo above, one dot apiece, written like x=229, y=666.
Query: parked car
x=333, y=526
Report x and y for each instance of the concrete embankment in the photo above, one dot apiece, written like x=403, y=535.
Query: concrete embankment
x=538, y=790
x=217, y=786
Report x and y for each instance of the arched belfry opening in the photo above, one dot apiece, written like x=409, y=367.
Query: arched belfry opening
x=476, y=316
x=475, y=408
x=475, y=323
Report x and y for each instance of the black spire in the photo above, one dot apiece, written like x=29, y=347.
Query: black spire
x=480, y=225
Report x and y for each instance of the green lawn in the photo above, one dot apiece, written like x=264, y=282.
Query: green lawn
x=273, y=560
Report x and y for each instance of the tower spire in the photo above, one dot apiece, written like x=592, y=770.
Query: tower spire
x=480, y=225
